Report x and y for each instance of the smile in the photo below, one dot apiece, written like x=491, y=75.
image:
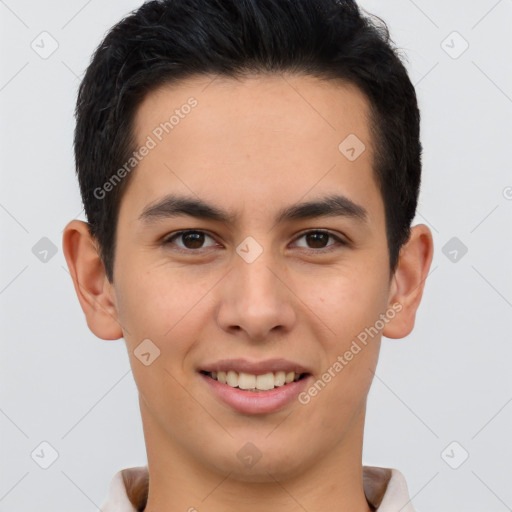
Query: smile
x=252, y=400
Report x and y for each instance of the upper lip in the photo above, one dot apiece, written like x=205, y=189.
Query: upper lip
x=254, y=367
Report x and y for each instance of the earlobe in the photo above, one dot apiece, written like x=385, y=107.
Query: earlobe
x=94, y=292
x=408, y=281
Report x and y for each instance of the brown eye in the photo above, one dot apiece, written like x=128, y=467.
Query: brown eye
x=191, y=240
x=317, y=240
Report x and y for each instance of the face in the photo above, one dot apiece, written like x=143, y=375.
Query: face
x=259, y=291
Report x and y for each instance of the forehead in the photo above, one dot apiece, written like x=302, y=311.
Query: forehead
x=253, y=142
x=294, y=104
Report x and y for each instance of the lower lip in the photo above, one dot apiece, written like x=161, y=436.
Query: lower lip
x=260, y=402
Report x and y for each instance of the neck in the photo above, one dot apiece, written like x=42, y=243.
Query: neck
x=179, y=482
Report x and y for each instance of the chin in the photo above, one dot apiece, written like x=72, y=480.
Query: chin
x=248, y=464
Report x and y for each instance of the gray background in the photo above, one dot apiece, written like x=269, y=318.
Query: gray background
x=449, y=381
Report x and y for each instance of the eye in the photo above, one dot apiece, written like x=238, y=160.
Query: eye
x=193, y=239
x=318, y=238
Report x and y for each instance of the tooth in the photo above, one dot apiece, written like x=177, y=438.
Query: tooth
x=265, y=381
x=246, y=381
x=279, y=378
x=289, y=377
x=232, y=379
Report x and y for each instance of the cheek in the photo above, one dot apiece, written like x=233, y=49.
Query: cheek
x=165, y=307
x=151, y=307
x=348, y=302
x=351, y=305
x=150, y=303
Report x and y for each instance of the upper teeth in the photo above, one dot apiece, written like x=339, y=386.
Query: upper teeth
x=248, y=381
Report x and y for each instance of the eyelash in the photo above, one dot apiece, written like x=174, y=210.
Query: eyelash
x=328, y=249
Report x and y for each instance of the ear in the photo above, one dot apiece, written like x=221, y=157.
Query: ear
x=94, y=291
x=408, y=281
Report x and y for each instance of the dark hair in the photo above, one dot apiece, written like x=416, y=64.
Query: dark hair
x=165, y=41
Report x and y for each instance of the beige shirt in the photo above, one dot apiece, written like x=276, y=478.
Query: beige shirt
x=385, y=489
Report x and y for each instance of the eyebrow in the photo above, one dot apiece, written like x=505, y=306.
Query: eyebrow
x=174, y=206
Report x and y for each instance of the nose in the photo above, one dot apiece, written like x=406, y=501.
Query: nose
x=256, y=300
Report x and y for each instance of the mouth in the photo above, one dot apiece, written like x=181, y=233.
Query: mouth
x=255, y=383
x=252, y=388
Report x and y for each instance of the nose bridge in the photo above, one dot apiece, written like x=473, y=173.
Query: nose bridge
x=255, y=283
x=256, y=280
x=252, y=262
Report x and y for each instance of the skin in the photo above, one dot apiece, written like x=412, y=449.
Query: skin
x=269, y=142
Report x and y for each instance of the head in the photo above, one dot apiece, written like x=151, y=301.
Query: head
x=241, y=110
